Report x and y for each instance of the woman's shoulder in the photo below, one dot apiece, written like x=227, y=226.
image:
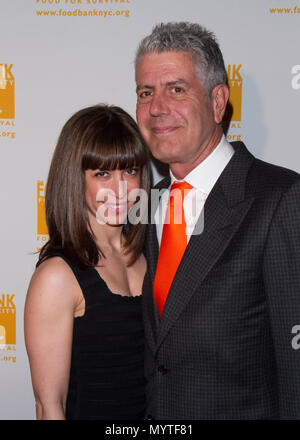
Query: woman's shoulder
x=52, y=279
x=54, y=269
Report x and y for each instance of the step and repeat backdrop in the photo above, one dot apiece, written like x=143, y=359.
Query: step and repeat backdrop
x=57, y=56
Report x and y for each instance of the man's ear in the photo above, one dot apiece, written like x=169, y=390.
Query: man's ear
x=219, y=99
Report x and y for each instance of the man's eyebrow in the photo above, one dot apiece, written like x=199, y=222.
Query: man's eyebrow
x=168, y=84
x=177, y=81
x=139, y=87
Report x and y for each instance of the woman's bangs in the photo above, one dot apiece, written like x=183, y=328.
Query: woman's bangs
x=123, y=154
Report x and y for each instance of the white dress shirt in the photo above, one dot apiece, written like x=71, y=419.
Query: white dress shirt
x=202, y=178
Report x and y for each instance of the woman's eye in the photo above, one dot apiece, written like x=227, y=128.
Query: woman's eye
x=132, y=171
x=101, y=174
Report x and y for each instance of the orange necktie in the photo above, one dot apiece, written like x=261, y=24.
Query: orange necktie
x=173, y=244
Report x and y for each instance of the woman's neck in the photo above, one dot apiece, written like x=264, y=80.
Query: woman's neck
x=107, y=236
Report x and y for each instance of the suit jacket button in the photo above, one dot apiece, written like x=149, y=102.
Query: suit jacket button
x=162, y=369
x=149, y=417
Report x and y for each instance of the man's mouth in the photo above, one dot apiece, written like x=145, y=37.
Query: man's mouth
x=163, y=130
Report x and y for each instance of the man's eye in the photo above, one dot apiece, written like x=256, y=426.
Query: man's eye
x=177, y=89
x=145, y=94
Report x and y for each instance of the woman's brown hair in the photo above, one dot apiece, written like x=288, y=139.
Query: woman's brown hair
x=99, y=137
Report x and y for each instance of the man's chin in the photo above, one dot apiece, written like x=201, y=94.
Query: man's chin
x=165, y=155
x=167, y=159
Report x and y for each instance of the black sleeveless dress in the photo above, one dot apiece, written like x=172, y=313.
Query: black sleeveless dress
x=107, y=368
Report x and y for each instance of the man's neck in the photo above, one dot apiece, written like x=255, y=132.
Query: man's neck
x=180, y=170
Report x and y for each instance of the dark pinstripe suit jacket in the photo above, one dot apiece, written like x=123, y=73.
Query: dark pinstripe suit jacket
x=223, y=348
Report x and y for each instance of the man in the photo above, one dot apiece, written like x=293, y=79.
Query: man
x=222, y=311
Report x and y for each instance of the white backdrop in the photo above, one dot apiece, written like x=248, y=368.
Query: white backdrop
x=53, y=65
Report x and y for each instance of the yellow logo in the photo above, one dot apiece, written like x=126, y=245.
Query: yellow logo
x=42, y=231
x=2, y=336
x=7, y=92
x=233, y=116
x=7, y=321
x=235, y=82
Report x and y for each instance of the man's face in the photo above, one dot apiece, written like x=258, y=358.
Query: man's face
x=176, y=119
x=174, y=115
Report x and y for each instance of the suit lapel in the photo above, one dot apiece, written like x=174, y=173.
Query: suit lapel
x=224, y=210
x=152, y=320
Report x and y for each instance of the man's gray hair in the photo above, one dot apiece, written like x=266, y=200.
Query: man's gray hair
x=191, y=38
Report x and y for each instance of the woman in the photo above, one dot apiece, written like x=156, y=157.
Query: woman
x=83, y=323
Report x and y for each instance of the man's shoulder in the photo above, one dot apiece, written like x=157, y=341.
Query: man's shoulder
x=263, y=175
x=269, y=175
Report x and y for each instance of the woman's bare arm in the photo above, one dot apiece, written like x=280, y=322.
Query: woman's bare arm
x=49, y=312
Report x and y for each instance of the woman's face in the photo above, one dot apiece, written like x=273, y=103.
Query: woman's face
x=110, y=194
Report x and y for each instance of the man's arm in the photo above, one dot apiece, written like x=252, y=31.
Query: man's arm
x=281, y=268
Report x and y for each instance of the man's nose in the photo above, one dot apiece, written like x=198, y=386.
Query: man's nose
x=159, y=105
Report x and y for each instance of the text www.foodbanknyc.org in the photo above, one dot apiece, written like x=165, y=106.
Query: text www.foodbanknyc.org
x=84, y=13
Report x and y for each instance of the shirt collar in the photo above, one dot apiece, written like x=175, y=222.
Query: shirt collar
x=205, y=175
